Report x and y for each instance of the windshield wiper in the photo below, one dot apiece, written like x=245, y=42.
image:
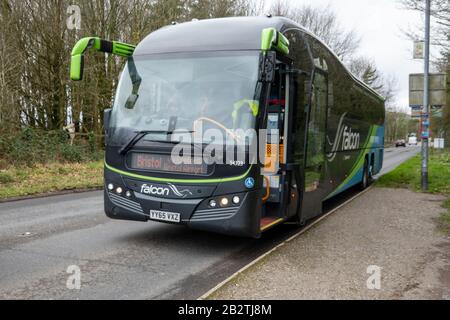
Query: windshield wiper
x=136, y=81
x=141, y=134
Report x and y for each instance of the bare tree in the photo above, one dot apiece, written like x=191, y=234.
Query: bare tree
x=398, y=124
x=366, y=70
x=9, y=73
x=35, y=54
x=207, y=9
x=35, y=51
x=440, y=29
x=323, y=22
x=254, y=7
x=389, y=89
x=440, y=37
x=440, y=10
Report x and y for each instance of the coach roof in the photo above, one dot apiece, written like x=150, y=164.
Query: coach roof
x=239, y=33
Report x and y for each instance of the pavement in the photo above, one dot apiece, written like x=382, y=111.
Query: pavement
x=384, y=245
x=40, y=239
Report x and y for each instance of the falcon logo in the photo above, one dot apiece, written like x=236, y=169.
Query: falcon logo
x=155, y=191
x=346, y=140
x=182, y=193
x=165, y=192
x=350, y=140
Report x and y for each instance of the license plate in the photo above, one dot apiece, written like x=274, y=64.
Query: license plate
x=165, y=216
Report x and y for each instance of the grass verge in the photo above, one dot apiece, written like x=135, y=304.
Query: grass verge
x=408, y=175
x=39, y=179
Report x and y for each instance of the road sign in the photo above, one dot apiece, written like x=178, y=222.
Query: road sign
x=416, y=113
x=439, y=143
x=419, y=49
x=438, y=92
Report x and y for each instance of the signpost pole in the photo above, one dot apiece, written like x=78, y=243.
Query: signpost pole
x=426, y=103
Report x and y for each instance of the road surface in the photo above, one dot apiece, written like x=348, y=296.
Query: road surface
x=41, y=238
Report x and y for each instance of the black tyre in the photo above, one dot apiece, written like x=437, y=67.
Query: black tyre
x=365, y=182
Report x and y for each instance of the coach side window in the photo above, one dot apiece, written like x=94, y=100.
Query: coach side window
x=319, y=95
x=315, y=156
x=300, y=54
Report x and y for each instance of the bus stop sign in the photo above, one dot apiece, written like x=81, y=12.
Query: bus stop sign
x=438, y=92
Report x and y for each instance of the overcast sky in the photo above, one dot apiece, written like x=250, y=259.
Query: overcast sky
x=380, y=24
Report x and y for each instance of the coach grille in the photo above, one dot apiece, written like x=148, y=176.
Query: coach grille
x=126, y=203
x=214, y=214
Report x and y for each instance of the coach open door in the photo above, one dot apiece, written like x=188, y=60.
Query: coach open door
x=295, y=142
x=315, y=159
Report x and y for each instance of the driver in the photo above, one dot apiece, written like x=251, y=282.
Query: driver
x=245, y=111
x=243, y=114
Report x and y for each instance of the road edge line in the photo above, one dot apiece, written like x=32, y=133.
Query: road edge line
x=262, y=257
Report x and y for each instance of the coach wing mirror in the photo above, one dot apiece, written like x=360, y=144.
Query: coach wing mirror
x=107, y=119
x=100, y=45
x=267, y=67
x=271, y=39
x=107, y=123
x=272, y=42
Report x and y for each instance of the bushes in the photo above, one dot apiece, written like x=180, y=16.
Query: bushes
x=71, y=153
x=31, y=146
x=6, y=178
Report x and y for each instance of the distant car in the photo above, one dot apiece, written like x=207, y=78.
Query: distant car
x=400, y=143
x=412, y=141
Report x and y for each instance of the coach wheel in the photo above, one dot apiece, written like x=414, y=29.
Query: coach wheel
x=366, y=176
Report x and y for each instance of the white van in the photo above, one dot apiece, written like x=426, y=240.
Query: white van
x=412, y=141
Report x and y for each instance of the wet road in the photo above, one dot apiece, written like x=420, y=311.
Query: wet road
x=41, y=238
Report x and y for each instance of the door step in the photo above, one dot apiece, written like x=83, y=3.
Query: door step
x=269, y=222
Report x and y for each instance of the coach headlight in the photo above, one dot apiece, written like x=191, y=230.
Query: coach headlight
x=213, y=204
x=224, y=202
x=110, y=187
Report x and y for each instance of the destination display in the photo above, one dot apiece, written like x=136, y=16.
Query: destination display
x=163, y=163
